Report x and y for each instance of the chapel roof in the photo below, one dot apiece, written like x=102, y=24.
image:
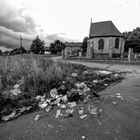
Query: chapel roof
x=104, y=29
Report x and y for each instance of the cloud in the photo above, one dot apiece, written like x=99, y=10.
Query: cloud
x=15, y=19
x=13, y=23
x=60, y=36
x=10, y=39
x=121, y=4
x=18, y=23
x=3, y=49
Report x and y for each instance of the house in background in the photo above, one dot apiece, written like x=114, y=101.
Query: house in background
x=47, y=50
x=105, y=41
x=72, y=49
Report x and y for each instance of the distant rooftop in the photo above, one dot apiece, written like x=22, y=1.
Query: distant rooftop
x=73, y=44
x=104, y=29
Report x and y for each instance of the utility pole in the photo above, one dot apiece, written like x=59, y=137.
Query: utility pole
x=21, y=41
x=21, y=44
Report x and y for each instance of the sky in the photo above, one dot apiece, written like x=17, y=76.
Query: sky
x=66, y=20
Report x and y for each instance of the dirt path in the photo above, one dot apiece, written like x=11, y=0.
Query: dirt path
x=119, y=121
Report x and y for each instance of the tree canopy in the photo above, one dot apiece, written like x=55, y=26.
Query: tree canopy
x=132, y=35
x=0, y=52
x=84, y=45
x=57, y=46
x=16, y=51
x=37, y=46
x=132, y=39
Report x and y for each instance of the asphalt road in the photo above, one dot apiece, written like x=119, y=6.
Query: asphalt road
x=119, y=121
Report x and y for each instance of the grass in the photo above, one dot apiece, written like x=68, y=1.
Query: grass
x=34, y=75
x=37, y=76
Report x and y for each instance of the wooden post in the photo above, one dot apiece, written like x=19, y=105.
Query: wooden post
x=65, y=53
x=129, y=54
x=80, y=53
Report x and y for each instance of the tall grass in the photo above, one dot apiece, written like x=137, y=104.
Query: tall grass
x=36, y=77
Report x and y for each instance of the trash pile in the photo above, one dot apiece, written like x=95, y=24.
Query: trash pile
x=13, y=105
x=65, y=101
x=16, y=113
x=87, y=83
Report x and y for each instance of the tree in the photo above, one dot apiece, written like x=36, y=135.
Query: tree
x=0, y=52
x=132, y=35
x=53, y=48
x=5, y=53
x=84, y=45
x=57, y=42
x=57, y=46
x=132, y=39
x=37, y=46
x=17, y=51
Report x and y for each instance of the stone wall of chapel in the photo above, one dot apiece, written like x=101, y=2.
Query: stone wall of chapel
x=108, y=47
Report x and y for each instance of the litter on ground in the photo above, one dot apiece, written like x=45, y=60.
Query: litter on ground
x=83, y=116
x=67, y=99
x=37, y=117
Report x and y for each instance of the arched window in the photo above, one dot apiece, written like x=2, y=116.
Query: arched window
x=93, y=44
x=101, y=44
x=117, y=43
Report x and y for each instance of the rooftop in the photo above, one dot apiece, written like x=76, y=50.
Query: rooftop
x=73, y=44
x=104, y=29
